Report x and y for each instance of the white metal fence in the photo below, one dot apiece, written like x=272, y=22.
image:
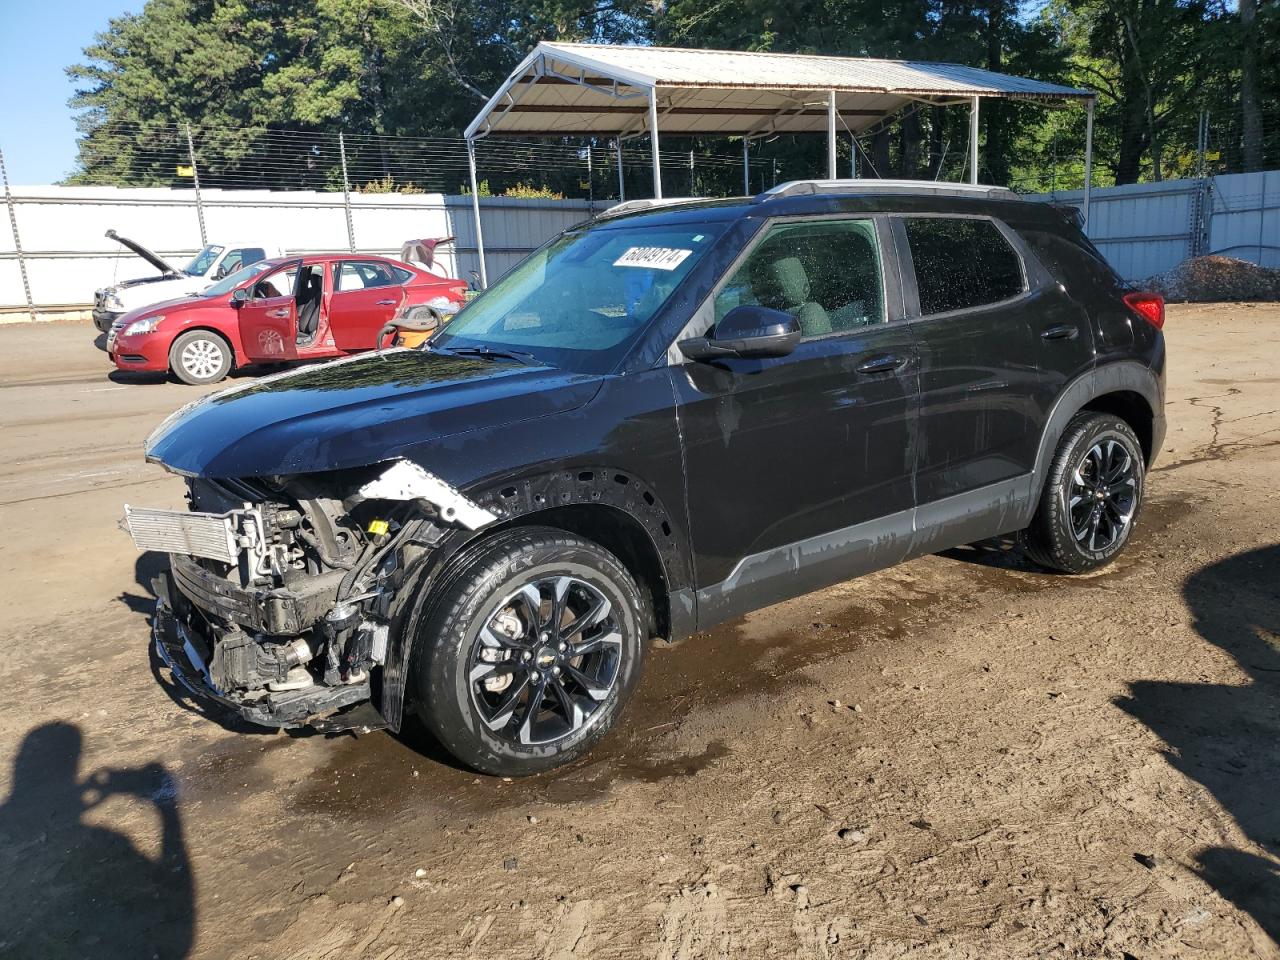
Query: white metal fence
x=66, y=255
x=1148, y=228
x=1143, y=229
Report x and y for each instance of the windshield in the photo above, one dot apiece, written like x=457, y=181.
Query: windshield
x=203, y=261
x=579, y=301
x=233, y=280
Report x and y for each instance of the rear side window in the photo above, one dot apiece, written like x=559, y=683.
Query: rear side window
x=961, y=263
x=362, y=274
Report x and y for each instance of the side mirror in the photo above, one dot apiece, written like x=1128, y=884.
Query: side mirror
x=747, y=331
x=239, y=296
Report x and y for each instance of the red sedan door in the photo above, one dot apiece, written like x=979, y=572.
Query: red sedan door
x=366, y=295
x=268, y=319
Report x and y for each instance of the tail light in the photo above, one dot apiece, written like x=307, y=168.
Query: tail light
x=1149, y=306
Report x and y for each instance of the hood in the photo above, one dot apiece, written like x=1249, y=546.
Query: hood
x=155, y=260
x=357, y=412
x=161, y=306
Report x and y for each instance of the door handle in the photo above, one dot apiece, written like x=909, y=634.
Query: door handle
x=384, y=303
x=278, y=314
x=882, y=364
x=1061, y=331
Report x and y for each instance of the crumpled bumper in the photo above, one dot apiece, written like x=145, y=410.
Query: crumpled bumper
x=324, y=708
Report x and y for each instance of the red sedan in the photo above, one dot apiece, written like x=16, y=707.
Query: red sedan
x=309, y=307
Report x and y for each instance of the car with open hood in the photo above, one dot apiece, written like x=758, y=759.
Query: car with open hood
x=305, y=307
x=212, y=263
x=664, y=418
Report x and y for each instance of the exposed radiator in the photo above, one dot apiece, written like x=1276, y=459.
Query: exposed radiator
x=214, y=536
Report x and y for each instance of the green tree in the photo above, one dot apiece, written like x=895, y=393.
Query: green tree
x=242, y=72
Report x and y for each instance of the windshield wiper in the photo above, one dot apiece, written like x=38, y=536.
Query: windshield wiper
x=488, y=353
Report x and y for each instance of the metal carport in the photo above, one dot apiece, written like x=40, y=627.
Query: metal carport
x=582, y=89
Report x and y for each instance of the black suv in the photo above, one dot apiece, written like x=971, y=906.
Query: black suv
x=663, y=418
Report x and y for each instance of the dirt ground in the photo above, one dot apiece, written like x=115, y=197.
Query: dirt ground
x=960, y=757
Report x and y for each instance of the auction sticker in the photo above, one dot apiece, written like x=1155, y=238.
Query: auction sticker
x=655, y=258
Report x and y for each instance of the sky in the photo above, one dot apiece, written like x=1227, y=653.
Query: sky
x=38, y=40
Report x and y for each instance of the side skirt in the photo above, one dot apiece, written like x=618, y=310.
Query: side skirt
x=781, y=573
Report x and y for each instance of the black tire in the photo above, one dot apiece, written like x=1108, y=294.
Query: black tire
x=1054, y=539
x=489, y=589
x=199, y=357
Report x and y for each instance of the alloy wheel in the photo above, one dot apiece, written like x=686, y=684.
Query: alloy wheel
x=1102, y=495
x=201, y=359
x=546, y=661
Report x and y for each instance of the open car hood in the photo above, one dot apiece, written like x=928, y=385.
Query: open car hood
x=155, y=260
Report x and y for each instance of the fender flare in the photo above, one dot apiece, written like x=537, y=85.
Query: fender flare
x=1122, y=375
x=518, y=499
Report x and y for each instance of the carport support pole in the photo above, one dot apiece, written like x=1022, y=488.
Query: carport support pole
x=1088, y=159
x=622, y=189
x=746, y=166
x=831, y=134
x=973, y=139
x=475, y=212
x=195, y=181
x=653, y=143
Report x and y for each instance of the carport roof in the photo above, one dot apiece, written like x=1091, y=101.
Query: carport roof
x=563, y=89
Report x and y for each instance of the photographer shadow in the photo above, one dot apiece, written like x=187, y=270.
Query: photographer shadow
x=1224, y=736
x=70, y=888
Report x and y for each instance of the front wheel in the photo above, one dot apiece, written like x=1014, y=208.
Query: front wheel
x=199, y=357
x=1091, y=496
x=530, y=652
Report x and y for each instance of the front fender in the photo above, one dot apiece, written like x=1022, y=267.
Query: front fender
x=518, y=501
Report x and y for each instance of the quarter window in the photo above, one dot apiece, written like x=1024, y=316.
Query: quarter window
x=961, y=263
x=825, y=273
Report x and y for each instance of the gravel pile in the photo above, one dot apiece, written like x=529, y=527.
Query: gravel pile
x=1214, y=278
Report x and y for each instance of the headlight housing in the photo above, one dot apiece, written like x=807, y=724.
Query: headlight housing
x=145, y=325
x=113, y=301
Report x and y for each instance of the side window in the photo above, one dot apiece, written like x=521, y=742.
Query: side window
x=825, y=273
x=277, y=284
x=961, y=263
x=345, y=277
x=360, y=274
x=235, y=259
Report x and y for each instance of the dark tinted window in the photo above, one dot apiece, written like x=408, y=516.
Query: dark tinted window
x=961, y=263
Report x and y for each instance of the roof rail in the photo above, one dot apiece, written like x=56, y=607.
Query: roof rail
x=798, y=188
x=646, y=203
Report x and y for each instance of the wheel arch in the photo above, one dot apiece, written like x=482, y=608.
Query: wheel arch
x=610, y=507
x=1133, y=408
x=236, y=358
x=1127, y=389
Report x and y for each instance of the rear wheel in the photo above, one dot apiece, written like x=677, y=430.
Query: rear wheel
x=1091, y=496
x=530, y=653
x=199, y=356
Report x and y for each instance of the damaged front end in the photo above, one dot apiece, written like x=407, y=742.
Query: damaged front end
x=282, y=592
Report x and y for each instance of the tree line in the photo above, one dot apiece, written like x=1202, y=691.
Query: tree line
x=264, y=81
